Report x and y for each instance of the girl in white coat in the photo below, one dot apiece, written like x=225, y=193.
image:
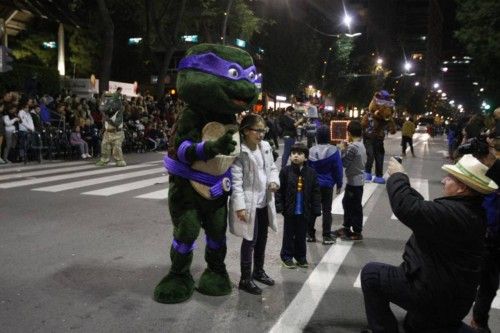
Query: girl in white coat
x=255, y=178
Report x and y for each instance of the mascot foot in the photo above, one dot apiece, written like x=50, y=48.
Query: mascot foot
x=368, y=177
x=379, y=180
x=121, y=163
x=214, y=284
x=174, y=288
x=101, y=163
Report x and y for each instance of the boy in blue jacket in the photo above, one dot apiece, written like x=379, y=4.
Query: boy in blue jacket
x=326, y=160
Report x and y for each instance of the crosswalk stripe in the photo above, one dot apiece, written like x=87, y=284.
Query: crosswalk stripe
x=156, y=195
x=95, y=181
x=299, y=312
x=128, y=187
x=422, y=187
x=27, y=182
x=8, y=168
x=45, y=172
x=368, y=190
x=496, y=301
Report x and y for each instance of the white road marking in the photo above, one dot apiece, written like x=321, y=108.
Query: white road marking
x=99, y=171
x=95, y=181
x=107, y=191
x=6, y=168
x=45, y=172
x=156, y=195
x=496, y=301
x=368, y=190
x=300, y=310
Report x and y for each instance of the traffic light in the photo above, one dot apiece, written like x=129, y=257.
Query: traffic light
x=5, y=59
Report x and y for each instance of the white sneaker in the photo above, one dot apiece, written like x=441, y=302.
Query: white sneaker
x=89, y=156
x=84, y=156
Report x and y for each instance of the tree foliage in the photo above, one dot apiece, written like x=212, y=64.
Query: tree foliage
x=480, y=34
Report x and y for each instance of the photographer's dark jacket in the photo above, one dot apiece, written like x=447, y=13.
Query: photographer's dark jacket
x=443, y=255
x=285, y=197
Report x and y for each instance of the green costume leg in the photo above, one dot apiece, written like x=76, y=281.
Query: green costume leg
x=117, y=148
x=105, y=150
x=215, y=281
x=178, y=285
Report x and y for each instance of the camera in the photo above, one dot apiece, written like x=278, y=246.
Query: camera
x=476, y=146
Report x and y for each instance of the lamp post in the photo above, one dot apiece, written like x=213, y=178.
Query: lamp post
x=226, y=16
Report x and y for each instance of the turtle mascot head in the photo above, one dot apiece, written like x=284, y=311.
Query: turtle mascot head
x=218, y=78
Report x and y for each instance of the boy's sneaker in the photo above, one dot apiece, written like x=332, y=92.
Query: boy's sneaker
x=353, y=236
x=328, y=240
x=311, y=239
x=288, y=263
x=341, y=232
x=302, y=263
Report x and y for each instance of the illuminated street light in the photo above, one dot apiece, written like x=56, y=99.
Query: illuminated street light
x=407, y=66
x=452, y=102
x=435, y=85
x=417, y=84
x=380, y=61
x=481, y=90
x=444, y=69
x=347, y=20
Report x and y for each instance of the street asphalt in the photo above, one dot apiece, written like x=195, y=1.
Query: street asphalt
x=89, y=262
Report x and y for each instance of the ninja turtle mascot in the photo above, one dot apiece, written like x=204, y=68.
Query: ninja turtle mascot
x=112, y=107
x=216, y=82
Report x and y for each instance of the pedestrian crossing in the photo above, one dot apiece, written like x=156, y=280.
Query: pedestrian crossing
x=89, y=180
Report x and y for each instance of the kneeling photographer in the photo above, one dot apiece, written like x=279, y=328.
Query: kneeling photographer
x=486, y=148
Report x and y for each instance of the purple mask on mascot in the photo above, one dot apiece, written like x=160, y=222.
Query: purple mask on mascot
x=210, y=63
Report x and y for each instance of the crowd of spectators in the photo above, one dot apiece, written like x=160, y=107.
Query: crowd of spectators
x=67, y=125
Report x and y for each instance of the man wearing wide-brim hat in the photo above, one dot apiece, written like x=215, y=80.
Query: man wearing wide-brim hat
x=437, y=281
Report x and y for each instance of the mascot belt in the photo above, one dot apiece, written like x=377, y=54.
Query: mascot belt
x=218, y=184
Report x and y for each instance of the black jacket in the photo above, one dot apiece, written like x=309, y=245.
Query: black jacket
x=443, y=255
x=285, y=196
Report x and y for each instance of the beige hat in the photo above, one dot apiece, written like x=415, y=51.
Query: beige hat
x=472, y=173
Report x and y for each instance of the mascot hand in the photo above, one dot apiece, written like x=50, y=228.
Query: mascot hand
x=223, y=145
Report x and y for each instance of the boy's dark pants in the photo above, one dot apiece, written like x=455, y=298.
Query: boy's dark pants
x=294, y=238
x=326, y=207
x=353, y=209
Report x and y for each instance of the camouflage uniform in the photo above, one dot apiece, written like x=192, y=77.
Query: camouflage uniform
x=113, y=135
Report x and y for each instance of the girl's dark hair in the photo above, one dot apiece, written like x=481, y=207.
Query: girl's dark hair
x=250, y=120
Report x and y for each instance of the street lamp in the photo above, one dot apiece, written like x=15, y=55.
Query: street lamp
x=407, y=66
x=380, y=61
x=347, y=20
x=417, y=84
x=435, y=85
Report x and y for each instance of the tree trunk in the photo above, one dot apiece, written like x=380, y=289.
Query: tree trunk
x=170, y=48
x=107, y=53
